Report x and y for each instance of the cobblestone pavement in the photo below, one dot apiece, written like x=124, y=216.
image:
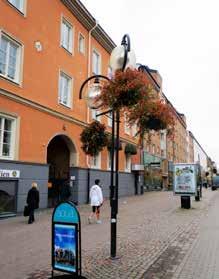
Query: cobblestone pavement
x=156, y=239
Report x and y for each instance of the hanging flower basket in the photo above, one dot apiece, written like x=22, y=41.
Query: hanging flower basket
x=130, y=149
x=94, y=138
x=152, y=114
x=126, y=89
x=109, y=143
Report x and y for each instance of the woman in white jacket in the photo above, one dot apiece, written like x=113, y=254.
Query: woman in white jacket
x=96, y=200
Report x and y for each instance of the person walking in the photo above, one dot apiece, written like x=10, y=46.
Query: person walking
x=32, y=201
x=96, y=200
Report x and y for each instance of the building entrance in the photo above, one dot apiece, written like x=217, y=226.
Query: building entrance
x=60, y=152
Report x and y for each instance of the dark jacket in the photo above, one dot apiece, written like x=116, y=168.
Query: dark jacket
x=33, y=198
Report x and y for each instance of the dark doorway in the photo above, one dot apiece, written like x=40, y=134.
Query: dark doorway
x=58, y=158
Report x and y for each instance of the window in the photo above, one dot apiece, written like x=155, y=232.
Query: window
x=153, y=149
x=81, y=44
x=109, y=72
x=126, y=124
x=109, y=160
x=19, y=4
x=134, y=130
x=110, y=122
x=96, y=63
x=7, y=137
x=128, y=163
x=96, y=161
x=10, y=57
x=65, y=85
x=94, y=114
x=66, y=35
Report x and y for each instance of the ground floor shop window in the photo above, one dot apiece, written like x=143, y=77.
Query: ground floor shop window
x=8, y=197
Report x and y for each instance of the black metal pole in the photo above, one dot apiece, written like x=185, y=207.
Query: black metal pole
x=113, y=193
x=117, y=158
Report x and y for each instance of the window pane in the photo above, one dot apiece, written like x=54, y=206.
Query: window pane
x=64, y=94
x=81, y=44
x=7, y=137
x=96, y=62
x=6, y=150
x=3, y=54
x=17, y=3
x=66, y=36
x=7, y=125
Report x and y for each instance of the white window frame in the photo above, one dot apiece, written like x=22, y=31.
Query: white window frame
x=21, y=7
x=95, y=161
x=128, y=162
x=96, y=71
x=68, y=48
x=70, y=90
x=80, y=35
x=11, y=40
x=12, y=139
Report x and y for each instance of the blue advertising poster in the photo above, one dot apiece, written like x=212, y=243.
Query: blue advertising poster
x=65, y=247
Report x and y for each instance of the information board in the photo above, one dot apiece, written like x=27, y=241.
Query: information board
x=185, y=179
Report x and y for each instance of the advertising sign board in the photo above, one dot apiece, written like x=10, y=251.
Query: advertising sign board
x=185, y=179
x=66, y=239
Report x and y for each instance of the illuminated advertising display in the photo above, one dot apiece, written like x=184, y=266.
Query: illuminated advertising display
x=65, y=247
x=185, y=179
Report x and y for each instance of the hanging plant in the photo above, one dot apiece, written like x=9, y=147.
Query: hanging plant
x=130, y=149
x=152, y=114
x=94, y=138
x=109, y=143
x=125, y=89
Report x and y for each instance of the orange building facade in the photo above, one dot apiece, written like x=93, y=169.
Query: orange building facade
x=45, y=55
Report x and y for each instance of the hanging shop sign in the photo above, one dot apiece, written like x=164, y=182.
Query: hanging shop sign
x=185, y=179
x=9, y=173
x=66, y=239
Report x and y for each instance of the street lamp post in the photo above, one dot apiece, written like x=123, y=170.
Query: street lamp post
x=121, y=57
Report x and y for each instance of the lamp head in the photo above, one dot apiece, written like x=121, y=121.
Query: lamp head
x=94, y=90
x=122, y=57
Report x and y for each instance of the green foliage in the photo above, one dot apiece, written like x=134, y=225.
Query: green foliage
x=130, y=149
x=94, y=138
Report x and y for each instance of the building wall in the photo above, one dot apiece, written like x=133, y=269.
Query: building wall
x=33, y=102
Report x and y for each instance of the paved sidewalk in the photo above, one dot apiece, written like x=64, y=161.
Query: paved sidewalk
x=151, y=229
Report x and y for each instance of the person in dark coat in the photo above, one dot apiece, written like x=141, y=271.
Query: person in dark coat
x=32, y=201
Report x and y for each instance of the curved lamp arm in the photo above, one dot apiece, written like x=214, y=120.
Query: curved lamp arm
x=127, y=46
x=88, y=79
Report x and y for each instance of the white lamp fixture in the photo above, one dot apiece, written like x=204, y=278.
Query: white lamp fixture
x=93, y=92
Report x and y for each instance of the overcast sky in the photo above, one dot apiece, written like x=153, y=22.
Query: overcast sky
x=180, y=39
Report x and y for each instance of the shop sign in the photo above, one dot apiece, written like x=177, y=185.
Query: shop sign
x=185, y=179
x=9, y=173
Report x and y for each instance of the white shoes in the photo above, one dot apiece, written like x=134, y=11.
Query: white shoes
x=99, y=222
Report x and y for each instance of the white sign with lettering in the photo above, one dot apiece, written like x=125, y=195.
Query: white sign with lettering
x=9, y=173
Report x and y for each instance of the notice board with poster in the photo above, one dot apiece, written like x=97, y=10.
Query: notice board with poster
x=185, y=179
x=66, y=240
